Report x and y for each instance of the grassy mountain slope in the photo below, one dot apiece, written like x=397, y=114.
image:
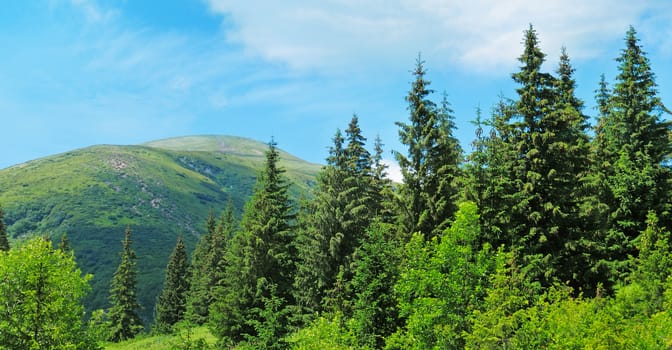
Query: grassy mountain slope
x=159, y=189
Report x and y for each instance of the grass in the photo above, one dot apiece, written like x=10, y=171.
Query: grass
x=163, y=342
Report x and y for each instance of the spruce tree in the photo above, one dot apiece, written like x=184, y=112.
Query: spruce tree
x=375, y=271
x=568, y=171
x=632, y=147
x=381, y=188
x=260, y=265
x=492, y=169
x=536, y=160
x=349, y=195
x=212, y=270
x=320, y=224
x=124, y=320
x=431, y=164
x=4, y=241
x=531, y=230
x=171, y=303
x=201, y=275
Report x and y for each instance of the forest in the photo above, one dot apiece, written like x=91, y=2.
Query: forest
x=552, y=233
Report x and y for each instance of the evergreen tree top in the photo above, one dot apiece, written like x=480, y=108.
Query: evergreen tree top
x=634, y=67
x=357, y=157
x=336, y=157
x=126, y=244
x=566, y=84
x=532, y=57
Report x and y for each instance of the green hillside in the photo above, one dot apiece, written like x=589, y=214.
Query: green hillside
x=159, y=189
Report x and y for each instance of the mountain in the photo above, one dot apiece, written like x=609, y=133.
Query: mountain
x=159, y=189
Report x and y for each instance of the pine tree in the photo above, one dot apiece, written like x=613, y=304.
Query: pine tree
x=534, y=163
x=4, y=242
x=349, y=195
x=532, y=231
x=431, y=165
x=171, y=303
x=124, y=320
x=376, y=264
x=565, y=192
x=381, y=187
x=492, y=164
x=260, y=265
x=198, y=292
x=631, y=148
x=319, y=224
x=213, y=270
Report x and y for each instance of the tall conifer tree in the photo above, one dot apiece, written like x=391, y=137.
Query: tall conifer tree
x=256, y=290
x=632, y=146
x=208, y=265
x=171, y=303
x=124, y=320
x=197, y=297
x=566, y=194
x=537, y=157
x=349, y=195
x=431, y=164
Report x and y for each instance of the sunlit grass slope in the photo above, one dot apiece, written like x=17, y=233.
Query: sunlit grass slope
x=159, y=190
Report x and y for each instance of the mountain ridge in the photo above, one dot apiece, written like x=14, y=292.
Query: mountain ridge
x=159, y=189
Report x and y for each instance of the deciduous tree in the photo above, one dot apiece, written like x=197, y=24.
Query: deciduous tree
x=41, y=293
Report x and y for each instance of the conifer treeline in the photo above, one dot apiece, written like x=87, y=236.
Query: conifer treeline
x=539, y=217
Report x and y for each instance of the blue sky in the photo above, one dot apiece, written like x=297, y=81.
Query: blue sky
x=75, y=73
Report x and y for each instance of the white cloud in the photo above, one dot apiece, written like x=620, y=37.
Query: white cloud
x=393, y=170
x=479, y=35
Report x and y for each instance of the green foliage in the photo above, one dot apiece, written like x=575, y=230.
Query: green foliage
x=533, y=165
x=123, y=314
x=637, y=317
x=350, y=194
x=41, y=293
x=209, y=265
x=322, y=333
x=374, y=308
x=64, y=244
x=632, y=146
x=442, y=282
x=503, y=311
x=4, y=241
x=256, y=290
x=431, y=165
x=171, y=305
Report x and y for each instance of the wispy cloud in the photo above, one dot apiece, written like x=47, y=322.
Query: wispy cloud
x=480, y=35
x=92, y=12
